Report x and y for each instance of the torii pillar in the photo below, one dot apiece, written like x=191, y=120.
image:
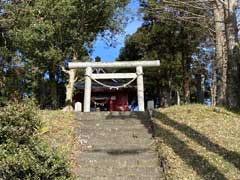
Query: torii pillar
x=140, y=88
x=129, y=64
x=88, y=89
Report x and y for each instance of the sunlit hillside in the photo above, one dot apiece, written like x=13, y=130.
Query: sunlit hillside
x=199, y=142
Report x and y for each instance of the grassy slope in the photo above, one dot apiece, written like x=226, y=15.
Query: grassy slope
x=199, y=142
x=58, y=131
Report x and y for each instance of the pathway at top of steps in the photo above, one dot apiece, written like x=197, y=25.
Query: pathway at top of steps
x=116, y=146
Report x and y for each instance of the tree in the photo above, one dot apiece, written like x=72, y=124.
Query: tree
x=233, y=64
x=47, y=32
x=219, y=18
x=174, y=45
x=6, y=51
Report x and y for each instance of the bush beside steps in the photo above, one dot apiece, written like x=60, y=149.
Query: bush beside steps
x=22, y=154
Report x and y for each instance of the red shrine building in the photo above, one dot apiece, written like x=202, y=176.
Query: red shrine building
x=108, y=98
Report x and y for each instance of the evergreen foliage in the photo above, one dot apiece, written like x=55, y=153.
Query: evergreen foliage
x=22, y=154
x=45, y=34
x=19, y=122
x=181, y=47
x=31, y=161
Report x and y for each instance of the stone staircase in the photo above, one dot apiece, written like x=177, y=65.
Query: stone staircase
x=116, y=146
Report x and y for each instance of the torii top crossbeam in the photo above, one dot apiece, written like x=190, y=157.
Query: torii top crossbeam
x=126, y=64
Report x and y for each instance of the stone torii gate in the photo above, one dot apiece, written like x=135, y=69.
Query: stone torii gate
x=127, y=64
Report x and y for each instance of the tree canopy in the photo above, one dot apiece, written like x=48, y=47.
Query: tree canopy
x=178, y=45
x=46, y=33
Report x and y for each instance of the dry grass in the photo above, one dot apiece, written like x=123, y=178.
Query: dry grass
x=199, y=142
x=58, y=132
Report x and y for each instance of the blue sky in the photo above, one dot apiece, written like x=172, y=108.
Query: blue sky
x=111, y=53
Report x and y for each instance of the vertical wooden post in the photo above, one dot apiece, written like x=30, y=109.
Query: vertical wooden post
x=140, y=88
x=88, y=87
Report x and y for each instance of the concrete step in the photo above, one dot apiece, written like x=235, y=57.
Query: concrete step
x=112, y=171
x=115, y=149
x=128, y=122
x=116, y=145
x=120, y=163
x=112, y=126
x=102, y=134
x=122, y=142
x=114, y=155
x=120, y=178
x=95, y=132
x=110, y=115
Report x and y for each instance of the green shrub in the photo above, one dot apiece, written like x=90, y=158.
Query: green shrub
x=18, y=122
x=32, y=161
x=22, y=155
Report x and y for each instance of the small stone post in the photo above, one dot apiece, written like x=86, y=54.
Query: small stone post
x=140, y=88
x=78, y=107
x=150, y=105
x=87, y=92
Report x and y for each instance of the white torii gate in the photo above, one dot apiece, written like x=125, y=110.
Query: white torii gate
x=127, y=64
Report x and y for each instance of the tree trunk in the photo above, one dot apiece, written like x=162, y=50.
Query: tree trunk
x=69, y=90
x=186, y=63
x=213, y=86
x=233, y=100
x=165, y=99
x=200, y=88
x=53, y=89
x=221, y=55
x=42, y=92
x=158, y=98
x=170, y=94
x=178, y=98
x=70, y=87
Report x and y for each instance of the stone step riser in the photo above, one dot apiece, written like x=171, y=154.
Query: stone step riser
x=120, y=164
x=117, y=146
x=115, y=142
x=96, y=118
x=99, y=156
x=120, y=122
x=110, y=115
x=99, y=148
x=106, y=135
x=113, y=132
x=102, y=118
x=103, y=127
x=114, y=128
x=134, y=135
x=119, y=171
x=120, y=178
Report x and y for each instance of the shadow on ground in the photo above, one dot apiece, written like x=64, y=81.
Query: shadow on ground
x=119, y=152
x=200, y=165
